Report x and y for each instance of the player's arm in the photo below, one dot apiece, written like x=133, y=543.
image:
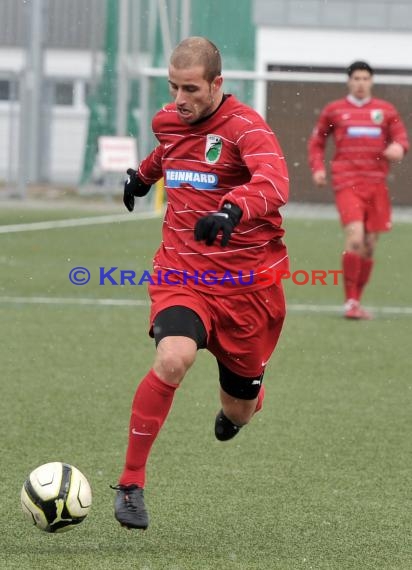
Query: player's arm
x=398, y=136
x=316, y=148
x=140, y=181
x=268, y=188
x=266, y=192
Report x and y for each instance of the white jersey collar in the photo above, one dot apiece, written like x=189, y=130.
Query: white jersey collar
x=358, y=102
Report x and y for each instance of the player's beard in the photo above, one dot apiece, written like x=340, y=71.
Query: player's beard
x=209, y=110
x=197, y=115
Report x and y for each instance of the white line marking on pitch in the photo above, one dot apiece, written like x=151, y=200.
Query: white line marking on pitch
x=75, y=301
x=306, y=308
x=74, y=222
x=293, y=307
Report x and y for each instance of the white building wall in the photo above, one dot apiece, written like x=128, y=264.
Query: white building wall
x=9, y=140
x=68, y=136
x=68, y=124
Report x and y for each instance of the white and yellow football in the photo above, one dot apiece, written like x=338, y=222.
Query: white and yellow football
x=56, y=497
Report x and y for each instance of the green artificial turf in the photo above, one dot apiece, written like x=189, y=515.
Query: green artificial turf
x=319, y=480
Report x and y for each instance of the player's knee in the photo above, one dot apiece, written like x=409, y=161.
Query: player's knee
x=172, y=363
x=354, y=245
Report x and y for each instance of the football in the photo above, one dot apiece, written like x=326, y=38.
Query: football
x=56, y=497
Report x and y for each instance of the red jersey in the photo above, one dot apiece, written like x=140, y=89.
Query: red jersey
x=361, y=133
x=234, y=156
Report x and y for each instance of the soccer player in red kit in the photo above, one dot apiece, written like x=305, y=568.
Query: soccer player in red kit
x=368, y=134
x=226, y=178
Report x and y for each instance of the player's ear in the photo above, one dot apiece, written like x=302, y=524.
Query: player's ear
x=217, y=83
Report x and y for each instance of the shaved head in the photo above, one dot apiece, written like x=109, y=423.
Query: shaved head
x=198, y=51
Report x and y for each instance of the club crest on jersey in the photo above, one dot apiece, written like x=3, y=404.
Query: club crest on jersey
x=213, y=148
x=377, y=116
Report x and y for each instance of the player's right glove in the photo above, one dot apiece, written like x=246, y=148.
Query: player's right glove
x=134, y=186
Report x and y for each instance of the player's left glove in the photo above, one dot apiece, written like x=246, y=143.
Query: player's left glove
x=134, y=186
x=225, y=221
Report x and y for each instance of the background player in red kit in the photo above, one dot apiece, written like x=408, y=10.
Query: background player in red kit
x=368, y=134
x=225, y=178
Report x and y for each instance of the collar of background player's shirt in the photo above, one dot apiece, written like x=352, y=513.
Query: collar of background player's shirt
x=358, y=102
x=225, y=96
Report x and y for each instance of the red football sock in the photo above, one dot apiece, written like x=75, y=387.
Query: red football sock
x=151, y=405
x=261, y=397
x=364, y=274
x=351, y=264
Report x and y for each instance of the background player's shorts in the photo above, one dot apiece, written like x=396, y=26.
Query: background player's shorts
x=369, y=204
x=242, y=329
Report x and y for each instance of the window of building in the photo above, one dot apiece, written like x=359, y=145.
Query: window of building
x=64, y=93
x=4, y=90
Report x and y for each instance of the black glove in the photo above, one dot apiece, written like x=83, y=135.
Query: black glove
x=134, y=186
x=225, y=221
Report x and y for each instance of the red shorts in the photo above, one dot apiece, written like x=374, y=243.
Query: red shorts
x=369, y=204
x=242, y=329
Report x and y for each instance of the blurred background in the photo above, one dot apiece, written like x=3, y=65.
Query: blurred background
x=72, y=71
